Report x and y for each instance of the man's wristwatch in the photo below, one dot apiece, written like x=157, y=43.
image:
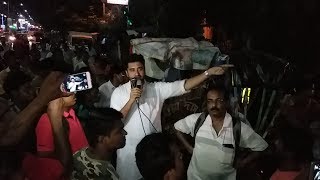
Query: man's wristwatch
x=206, y=73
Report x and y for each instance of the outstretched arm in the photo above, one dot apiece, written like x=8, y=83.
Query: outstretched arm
x=21, y=124
x=197, y=80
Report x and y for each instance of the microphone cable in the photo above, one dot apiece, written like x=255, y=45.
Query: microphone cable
x=141, y=119
x=140, y=111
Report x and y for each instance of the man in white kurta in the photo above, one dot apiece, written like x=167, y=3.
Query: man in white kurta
x=151, y=98
x=151, y=103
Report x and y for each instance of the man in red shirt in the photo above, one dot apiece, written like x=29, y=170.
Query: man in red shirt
x=45, y=140
x=15, y=164
x=77, y=138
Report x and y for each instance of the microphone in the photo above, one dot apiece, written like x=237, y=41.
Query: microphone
x=133, y=82
x=136, y=83
x=139, y=83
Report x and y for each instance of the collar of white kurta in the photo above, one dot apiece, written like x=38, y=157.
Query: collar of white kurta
x=227, y=124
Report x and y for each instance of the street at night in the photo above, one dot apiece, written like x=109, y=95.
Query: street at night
x=159, y=90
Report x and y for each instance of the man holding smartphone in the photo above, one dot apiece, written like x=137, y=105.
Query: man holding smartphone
x=141, y=108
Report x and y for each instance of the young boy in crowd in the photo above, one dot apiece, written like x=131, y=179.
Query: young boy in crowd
x=105, y=135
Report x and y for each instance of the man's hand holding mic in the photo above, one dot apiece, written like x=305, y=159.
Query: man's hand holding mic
x=136, y=89
x=135, y=94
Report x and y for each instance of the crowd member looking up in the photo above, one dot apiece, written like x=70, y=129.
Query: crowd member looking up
x=158, y=157
x=214, y=152
x=141, y=108
x=105, y=135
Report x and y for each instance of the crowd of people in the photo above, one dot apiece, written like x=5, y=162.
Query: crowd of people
x=114, y=130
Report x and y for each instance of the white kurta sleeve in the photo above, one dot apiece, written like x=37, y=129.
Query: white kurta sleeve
x=116, y=101
x=250, y=139
x=167, y=90
x=187, y=124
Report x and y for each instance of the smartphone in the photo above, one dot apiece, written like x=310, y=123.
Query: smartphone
x=314, y=171
x=77, y=82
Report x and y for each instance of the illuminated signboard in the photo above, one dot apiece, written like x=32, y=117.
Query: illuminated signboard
x=121, y=2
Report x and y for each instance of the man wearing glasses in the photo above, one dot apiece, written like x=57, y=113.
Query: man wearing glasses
x=214, y=149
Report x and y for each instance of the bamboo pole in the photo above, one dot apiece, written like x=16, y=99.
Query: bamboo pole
x=283, y=101
x=263, y=122
x=261, y=109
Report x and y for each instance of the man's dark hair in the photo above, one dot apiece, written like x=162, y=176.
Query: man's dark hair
x=116, y=70
x=135, y=58
x=101, y=123
x=15, y=80
x=218, y=87
x=154, y=156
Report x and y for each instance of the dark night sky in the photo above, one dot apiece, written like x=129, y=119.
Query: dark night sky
x=288, y=28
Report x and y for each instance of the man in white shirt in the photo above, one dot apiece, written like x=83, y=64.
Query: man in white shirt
x=118, y=77
x=146, y=118
x=68, y=54
x=214, y=150
x=91, y=51
x=72, y=86
x=78, y=60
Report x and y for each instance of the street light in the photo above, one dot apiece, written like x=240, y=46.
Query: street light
x=7, y=3
x=25, y=11
x=21, y=4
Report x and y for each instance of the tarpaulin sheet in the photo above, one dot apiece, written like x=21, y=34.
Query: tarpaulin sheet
x=182, y=54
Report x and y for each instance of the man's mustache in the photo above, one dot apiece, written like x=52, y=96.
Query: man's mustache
x=214, y=109
x=137, y=77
